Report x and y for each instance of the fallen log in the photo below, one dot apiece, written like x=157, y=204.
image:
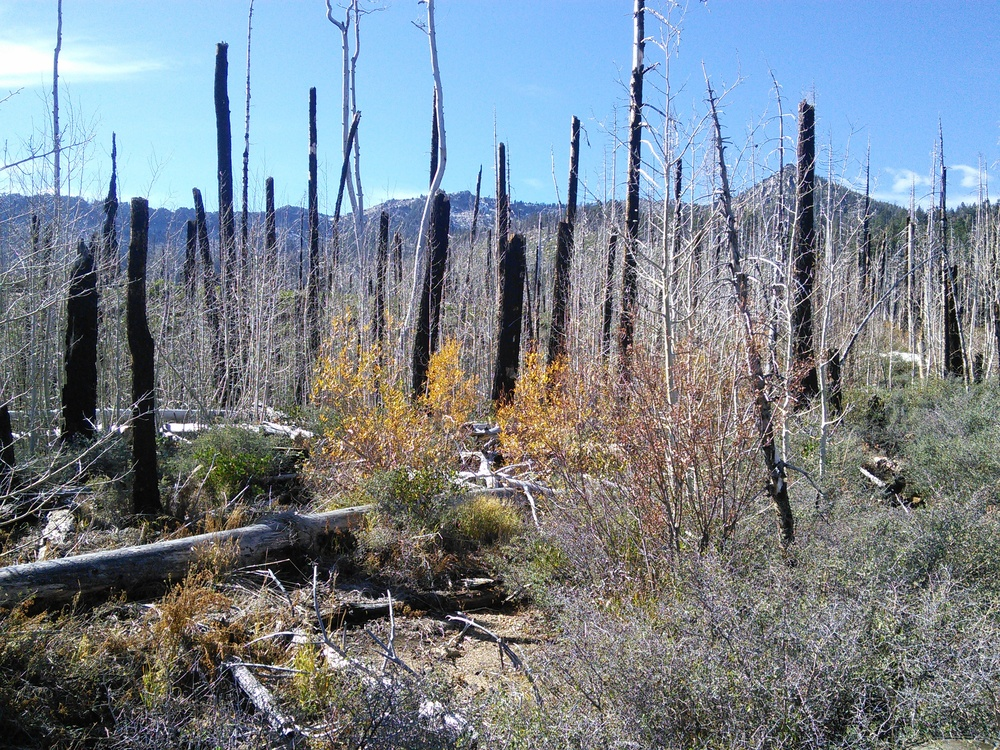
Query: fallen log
x=358, y=611
x=53, y=582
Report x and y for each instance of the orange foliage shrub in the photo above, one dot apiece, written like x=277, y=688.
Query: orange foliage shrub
x=370, y=424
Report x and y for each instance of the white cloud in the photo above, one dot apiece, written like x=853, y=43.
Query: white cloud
x=26, y=63
x=970, y=175
x=964, y=189
x=905, y=179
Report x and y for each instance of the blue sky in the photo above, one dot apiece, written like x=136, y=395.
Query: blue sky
x=881, y=70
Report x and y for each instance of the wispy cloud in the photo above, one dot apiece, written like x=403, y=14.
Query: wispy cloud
x=905, y=179
x=970, y=175
x=964, y=189
x=26, y=63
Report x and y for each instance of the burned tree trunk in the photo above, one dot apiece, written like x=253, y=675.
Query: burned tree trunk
x=425, y=339
x=503, y=213
x=564, y=253
x=145, y=481
x=630, y=269
x=211, y=300
x=7, y=459
x=224, y=141
x=953, y=357
x=108, y=262
x=509, y=335
x=79, y=395
x=270, y=231
x=609, y=297
x=191, y=258
x=397, y=257
x=804, y=256
x=345, y=172
x=313, y=279
x=381, y=272
x=560, y=295
x=227, y=227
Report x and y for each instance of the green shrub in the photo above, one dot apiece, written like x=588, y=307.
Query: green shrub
x=229, y=459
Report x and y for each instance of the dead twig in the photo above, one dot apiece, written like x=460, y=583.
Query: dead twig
x=516, y=661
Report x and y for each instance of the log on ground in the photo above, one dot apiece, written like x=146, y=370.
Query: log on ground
x=54, y=582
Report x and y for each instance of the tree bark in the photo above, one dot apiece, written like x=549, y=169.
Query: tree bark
x=211, y=300
x=224, y=144
x=609, y=297
x=133, y=569
x=79, y=395
x=630, y=270
x=244, y=207
x=503, y=214
x=312, y=283
x=270, y=231
x=108, y=264
x=426, y=333
x=804, y=255
x=191, y=258
x=381, y=273
x=560, y=294
x=509, y=335
x=564, y=253
x=953, y=355
x=397, y=257
x=7, y=457
x=145, y=480
x=227, y=228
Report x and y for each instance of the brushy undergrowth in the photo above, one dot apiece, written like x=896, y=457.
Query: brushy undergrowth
x=678, y=620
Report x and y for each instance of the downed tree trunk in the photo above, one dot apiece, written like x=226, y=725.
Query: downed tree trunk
x=133, y=568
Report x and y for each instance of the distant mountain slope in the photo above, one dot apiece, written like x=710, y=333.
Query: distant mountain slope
x=167, y=227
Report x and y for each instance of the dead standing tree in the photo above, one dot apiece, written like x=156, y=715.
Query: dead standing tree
x=564, y=253
x=107, y=264
x=777, y=485
x=509, y=335
x=145, y=481
x=348, y=105
x=381, y=276
x=227, y=228
x=630, y=269
x=210, y=283
x=441, y=152
x=79, y=394
x=313, y=279
x=244, y=208
x=7, y=458
x=427, y=331
x=954, y=360
x=804, y=374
